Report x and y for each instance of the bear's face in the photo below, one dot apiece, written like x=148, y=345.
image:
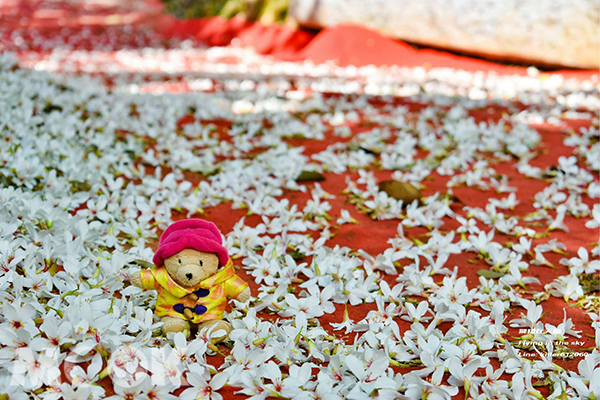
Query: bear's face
x=189, y=267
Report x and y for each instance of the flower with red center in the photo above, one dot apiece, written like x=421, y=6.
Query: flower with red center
x=201, y=389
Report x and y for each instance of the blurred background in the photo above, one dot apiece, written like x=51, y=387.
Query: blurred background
x=545, y=33
x=254, y=10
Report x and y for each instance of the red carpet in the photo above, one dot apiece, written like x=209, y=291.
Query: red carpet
x=119, y=28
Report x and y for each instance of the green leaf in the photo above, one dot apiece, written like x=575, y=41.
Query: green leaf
x=310, y=176
x=51, y=107
x=590, y=283
x=143, y=263
x=297, y=255
x=448, y=197
x=77, y=186
x=400, y=191
x=213, y=172
x=486, y=273
x=6, y=181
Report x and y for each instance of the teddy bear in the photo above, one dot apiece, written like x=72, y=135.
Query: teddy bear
x=194, y=277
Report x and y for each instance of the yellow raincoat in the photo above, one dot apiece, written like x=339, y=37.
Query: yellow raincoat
x=212, y=293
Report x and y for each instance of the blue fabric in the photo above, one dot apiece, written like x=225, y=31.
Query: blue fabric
x=199, y=309
x=179, y=308
x=202, y=292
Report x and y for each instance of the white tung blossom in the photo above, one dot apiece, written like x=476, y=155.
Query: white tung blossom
x=91, y=173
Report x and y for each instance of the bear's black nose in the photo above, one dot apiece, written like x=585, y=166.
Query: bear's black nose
x=189, y=276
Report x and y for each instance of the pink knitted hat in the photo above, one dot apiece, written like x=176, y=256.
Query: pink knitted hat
x=195, y=234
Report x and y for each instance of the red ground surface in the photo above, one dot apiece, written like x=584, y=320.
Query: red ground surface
x=346, y=45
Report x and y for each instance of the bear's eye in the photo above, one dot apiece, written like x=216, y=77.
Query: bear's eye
x=179, y=261
x=201, y=263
